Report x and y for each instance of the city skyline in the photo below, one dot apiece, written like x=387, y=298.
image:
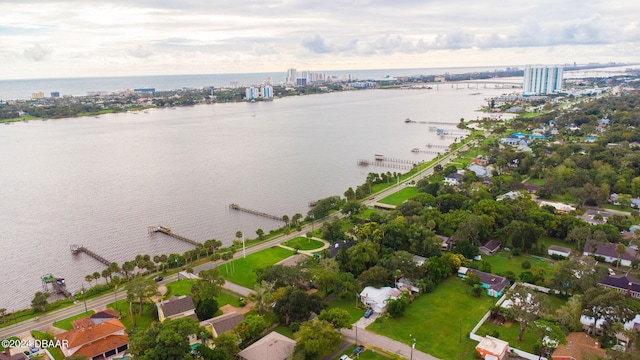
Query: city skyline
x=56, y=39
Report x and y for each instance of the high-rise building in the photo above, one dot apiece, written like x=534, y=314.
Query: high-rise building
x=291, y=76
x=251, y=93
x=266, y=92
x=542, y=79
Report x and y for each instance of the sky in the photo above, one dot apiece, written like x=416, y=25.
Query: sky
x=88, y=38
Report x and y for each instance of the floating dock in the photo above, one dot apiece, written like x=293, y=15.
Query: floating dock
x=255, y=212
x=167, y=231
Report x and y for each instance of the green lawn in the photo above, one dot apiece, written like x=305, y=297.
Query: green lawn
x=225, y=298
x=55, y=351
x=65, y=324
x=179, y=287
x=348, y=304
x=401, y=196
x=509, y=333
x=502, y=262
x=440, y=321
x=304, y=243
x=141, y=322
x=242, y=270
x=284, y=330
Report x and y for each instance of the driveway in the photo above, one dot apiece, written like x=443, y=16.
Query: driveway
x=385, y=343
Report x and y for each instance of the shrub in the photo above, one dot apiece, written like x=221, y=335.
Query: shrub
x=294, y=326
x=476, y=291
x=516, y=251
x=558, y=257
x=526, y=265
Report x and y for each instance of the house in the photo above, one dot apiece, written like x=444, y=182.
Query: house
x=626, y=284
x=273, y=346
x=18, y=355
x=510, y=195
x=419, y=259
x=579, y=346
x=492, y=348
x=407, y=284
x=608, y=252
x=453, y=179
x=494, y=284
x=100, y=341
x=479, y=170
x=176, y=308
x=560, y=207
x=558, y=250
x=336, y=246
x=490, y=247
x=480, y=160
x=446, y=242
x=377, y=299
x=531, y=188
x=94, y=319
x=223, y=323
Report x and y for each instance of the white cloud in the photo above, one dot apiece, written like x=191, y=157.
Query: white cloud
x=150, y=36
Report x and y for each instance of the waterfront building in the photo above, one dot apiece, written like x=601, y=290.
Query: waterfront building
x=291, y=76
x=266, y=92
x=251, y=93
x=542, y=79
x=37, y=95
x=55, y=94
x=301, y=81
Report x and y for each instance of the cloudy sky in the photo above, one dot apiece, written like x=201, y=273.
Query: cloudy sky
x=74, y=38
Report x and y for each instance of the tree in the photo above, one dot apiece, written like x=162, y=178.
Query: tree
x=526, y=306
x=260, y=234
x=605, y=304
x=620, y=249
x=141, y=289
x=250, y=328
x=376, y=276
x=206, y=308
x=228, y=342
x=338, y=317
x=106, y=273
x=217, y=353
x=296, y=305
x=88, y=278
x=326, y=275
x=361, y=256
x=396, y=307
x=316, y=339
x=96, y=275
x=262, y=297
x=39, y=302
x=352, y=207
x=166, y=340
x=285, y=218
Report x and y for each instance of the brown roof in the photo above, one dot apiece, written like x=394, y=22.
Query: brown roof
x=82, y=336
x=579, y=346
x=176, y=306
x=84, y=322
x=106, y=314
x=103, y=345
x=5, y=355
x=224, y=323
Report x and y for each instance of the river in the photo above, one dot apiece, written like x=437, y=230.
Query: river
x=100, y=181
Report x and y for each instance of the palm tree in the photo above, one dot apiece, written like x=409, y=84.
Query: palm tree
x=164, y=259
x=96, y=276
x=156, y=260
x=89, y=279
x=262, y=297
x=106, y=273
x=260, y=233
x=285, y=218
x=620, y=249
x=296, y=218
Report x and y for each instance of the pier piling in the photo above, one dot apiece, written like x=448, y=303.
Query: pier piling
x=255, y=212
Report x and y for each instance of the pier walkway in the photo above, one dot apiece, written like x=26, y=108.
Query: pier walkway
x=167, y=231
x=255, y=212
x=76, y=249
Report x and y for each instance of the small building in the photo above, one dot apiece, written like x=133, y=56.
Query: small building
x=100, y=341
x=223, y=323
x=510, y=195
x=558, y=250
x=377, y=299
x=176, y=308
x=453, y=179
x=490, y=247
x=494, y=284
x=7, y=354
x=492, y=348
x=608, y=252
x=579, y=346
x=273, y=346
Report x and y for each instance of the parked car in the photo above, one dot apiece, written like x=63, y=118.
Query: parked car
x=345, y=357
x=158, y=278
x=358, y=350
x=368, y=313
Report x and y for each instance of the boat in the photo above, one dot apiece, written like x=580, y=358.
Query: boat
x=378, y=156
x=407, y=120
x=415, y=150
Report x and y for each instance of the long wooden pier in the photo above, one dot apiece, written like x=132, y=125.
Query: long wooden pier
x=255, y=212
x=167, y=231
x=76, y=249
x=388, y=164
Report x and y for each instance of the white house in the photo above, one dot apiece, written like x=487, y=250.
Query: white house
x=377, y=299
x=558, y=250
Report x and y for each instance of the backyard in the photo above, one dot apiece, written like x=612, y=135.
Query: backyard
x=242, y=270
x=452, y=304
x=503, y=261
x=401, y=196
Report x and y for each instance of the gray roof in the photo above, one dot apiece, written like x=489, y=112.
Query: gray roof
x=609, y=249
x=491, y=245
x=224, y=323
x=177, y=305
x=495, y=282
x=559, y=249
x=276, y=346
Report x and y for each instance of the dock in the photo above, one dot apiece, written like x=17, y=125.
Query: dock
x=255, y=212
x=58, y=285
x=167, y=231
x=388, y=164
x=76, y=249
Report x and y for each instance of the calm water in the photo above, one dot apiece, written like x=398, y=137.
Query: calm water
x=101, y=181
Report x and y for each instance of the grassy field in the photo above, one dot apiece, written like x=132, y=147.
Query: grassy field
x=304, y=243
x=55, y=351
x=141, y=321
x=501, y=262
x=439, y=321
x=401, y=196
x=284, y=330
x=179, y=287
x=242, y=271
x=65, y=324
x=348, y=304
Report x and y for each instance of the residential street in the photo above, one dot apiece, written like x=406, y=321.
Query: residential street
x=386, y=343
